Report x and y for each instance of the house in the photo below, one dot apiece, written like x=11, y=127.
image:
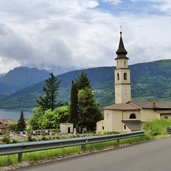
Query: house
x=66, y=128
x=3, y=125
x=127, y=115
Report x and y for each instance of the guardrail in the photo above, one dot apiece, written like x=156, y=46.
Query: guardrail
x=20, y=148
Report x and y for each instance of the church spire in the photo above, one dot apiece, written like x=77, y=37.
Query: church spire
x=121, y=51
x=122, y=75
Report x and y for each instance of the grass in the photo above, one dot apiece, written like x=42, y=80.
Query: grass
x=157, y=127
x=8, y=160
x=49, y=154
x=39, y=155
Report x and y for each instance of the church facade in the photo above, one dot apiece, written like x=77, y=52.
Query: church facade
x=127, y=115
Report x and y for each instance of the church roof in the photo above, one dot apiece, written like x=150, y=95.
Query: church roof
x=162, y=112
x=153, y=105
x=123, y=107
x=121, y=51
x=163, y=107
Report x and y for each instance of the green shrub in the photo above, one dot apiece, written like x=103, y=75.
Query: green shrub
x=6, y=139
x=14, y=140
x=157, y=127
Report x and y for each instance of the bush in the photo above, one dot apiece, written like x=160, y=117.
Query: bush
x=12, y=126
x=157, y=127
x=14, y=141
x=6, y=139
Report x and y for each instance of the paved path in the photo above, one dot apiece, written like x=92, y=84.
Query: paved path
x=151, y=156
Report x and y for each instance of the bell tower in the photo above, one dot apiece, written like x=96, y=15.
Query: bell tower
x=122, y=75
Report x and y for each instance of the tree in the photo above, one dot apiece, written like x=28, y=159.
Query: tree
x=88, y=110
x=52, y=119
x=74, y=103
x=80, y=83
x=13, y=126
x=83, y=81
x=63, y=114
x=35, y=118
x=48, y=101
x=48, y=120
x=21, y=126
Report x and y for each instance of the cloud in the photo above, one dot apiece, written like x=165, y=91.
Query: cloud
x=77, y=33
x=159, y=5
x=114, y=2
x=9, y=64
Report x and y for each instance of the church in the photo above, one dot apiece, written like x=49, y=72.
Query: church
x=127, y=115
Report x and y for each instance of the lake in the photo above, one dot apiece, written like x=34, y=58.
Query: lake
x=14, y=114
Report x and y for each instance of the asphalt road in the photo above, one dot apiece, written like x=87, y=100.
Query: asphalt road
x=151, y=156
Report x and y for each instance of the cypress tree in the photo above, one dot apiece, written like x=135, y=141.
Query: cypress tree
x=80, y=83
x=74, y=103
x=21, y=122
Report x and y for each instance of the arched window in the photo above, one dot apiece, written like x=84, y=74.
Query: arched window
x=125, y=76
x=124, y=64
x=132, y=116
x=118, y=76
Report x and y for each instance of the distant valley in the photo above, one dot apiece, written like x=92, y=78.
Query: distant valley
x=150, y=81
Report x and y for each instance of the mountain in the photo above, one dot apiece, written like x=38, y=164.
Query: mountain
x=20, y=78
x=57, y=70
x=150, y=81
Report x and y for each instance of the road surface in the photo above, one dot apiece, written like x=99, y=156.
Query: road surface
x=151, y=156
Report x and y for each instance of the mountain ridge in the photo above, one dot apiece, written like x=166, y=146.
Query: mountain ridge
x=150, y=80
x=21, y=77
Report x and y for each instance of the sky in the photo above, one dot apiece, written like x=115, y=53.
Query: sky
x=82, y=33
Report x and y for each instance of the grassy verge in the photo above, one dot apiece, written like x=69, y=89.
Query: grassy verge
x=49, y=154
x=157, y=127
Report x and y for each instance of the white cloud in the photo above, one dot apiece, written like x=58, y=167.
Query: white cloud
x=76, y=33
x=89, y=3
x=160, y=5
x=114, y=2
x=9, y=64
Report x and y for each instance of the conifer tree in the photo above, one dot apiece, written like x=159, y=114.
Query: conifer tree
x=80, y=83
x=83, y=81
x=88, y=110
x=21, y=125
x=74, y=103
x=49, y=101
x=83, y=108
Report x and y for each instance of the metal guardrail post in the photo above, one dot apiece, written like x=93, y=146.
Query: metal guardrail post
x=20, y=156
x=118, y=142
x=82, y=147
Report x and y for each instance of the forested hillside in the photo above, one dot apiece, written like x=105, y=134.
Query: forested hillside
x=150, y=81
x=19, y=78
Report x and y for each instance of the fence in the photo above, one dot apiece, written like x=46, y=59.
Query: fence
x=20, y=148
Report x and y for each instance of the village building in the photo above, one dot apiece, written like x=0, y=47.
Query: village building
x=66, y=128
x=127, y=115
